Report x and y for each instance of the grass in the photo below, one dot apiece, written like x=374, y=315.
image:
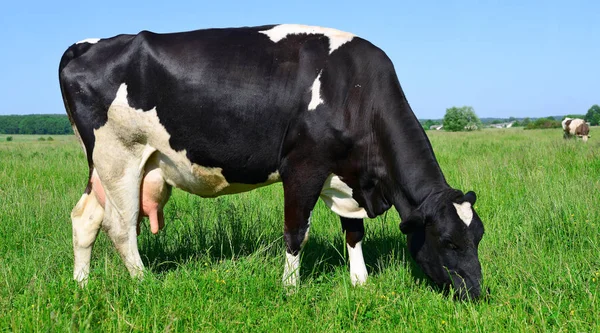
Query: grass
x=217, y=265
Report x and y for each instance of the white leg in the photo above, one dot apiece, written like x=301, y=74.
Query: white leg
x=291, y=270
x=358, y=270
x=120, y=222
x=86, y=218
x=122, y=182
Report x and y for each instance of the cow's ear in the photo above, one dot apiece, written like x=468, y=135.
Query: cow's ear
x=413, y=222
x=470, y=197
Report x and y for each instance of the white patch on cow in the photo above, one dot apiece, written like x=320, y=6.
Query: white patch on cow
x=337, y=195
x=86, y=218
x=291, y=270
x=315, y=99
x=274, y=177
x=89, y=41
x=564, y=123
x=464, y=211
x=307, y=230
x=574, y=124
x=358, y=269
x=336, y=37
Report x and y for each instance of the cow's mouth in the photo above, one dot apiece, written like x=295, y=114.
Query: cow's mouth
x=465, y=288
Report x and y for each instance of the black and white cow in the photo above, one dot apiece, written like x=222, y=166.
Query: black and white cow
x=223, y=111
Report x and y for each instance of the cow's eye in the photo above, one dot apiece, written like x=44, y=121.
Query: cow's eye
x=449, y=244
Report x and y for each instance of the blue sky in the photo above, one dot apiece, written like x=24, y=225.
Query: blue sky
x=504, y=57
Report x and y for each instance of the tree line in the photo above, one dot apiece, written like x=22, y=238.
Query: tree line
x=35, y=124
x=465, y=119
x=455, y=119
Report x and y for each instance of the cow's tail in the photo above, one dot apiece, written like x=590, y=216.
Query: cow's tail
x=71, y=53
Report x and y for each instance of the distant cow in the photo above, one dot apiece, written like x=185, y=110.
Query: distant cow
x=575, y=127
x=223, y=111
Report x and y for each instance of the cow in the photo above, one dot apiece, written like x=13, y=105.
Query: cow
x=575, y=127
x=223, y=111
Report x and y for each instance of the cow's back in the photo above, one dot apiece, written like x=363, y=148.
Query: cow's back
x=224, y=96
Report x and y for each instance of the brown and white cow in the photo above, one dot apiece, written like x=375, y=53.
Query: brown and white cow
x=576, y=127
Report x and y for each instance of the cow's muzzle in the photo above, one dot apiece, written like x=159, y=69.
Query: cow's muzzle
x=465, y=288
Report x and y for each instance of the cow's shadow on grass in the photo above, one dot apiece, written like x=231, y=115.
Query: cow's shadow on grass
x=322, y=256
x=235, y=239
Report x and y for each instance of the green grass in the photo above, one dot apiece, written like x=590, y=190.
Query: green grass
x=217, y=265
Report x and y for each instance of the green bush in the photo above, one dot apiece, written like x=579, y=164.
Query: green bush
x=41, y=139
x=544, y=123
x=9, y=138
x=50, y=139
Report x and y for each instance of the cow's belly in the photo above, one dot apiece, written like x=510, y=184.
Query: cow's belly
x=179, y=172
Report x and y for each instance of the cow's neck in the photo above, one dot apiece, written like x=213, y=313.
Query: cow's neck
x=415, y=172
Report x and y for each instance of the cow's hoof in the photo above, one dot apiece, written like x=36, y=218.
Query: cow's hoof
x=359, y=279
x=82, y=283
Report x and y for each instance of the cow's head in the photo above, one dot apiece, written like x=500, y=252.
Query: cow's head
x=443, y=238
x=583, y=131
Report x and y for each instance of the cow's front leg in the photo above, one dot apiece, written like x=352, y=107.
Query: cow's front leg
x=297, y=225
x=301, y=194
x=355, y=230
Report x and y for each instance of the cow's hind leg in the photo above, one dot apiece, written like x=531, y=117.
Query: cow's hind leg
x=301, y=192
x=355, y=230
x=122, y=183
x=86, y=217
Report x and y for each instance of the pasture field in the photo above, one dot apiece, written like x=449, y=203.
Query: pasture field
x=217, y=265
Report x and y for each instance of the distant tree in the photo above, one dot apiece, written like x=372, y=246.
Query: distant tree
x=497, y=121
x=9, y=124
x=593, y=115
x=35, y=124
x=461, y=119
